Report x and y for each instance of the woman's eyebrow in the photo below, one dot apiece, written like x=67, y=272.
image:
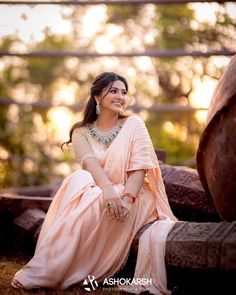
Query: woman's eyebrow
x=117, y=88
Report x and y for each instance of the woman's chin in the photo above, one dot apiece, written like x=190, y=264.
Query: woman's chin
x=117, y=110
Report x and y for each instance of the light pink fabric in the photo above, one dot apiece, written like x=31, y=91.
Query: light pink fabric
x=78, y=238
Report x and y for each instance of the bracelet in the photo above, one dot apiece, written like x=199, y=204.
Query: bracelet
x=130, y=195
x=106, y=185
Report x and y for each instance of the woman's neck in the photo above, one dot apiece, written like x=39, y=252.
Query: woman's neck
x=106, y=122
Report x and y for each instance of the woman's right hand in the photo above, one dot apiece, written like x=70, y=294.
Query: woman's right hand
x=112, y=202
x=127, y=207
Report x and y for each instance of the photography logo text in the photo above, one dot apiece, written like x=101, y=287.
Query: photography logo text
x=90, y=284
x=115, y=284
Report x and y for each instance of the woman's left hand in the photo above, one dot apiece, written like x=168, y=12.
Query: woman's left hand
x=126, y=209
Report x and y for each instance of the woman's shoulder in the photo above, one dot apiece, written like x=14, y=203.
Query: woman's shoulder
x=133, y=118
x=80, y=131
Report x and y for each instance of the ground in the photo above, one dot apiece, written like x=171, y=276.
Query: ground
x=9, y=264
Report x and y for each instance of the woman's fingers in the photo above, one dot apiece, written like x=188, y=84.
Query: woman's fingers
x=119, y=208
x=124, y=216
x=114, y=207
x=116, y=211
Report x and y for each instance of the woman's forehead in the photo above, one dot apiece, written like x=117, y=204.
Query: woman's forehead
x=117, y=84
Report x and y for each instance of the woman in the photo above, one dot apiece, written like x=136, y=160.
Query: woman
x=98, y=209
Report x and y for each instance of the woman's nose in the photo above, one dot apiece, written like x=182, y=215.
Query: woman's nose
x=120, y=95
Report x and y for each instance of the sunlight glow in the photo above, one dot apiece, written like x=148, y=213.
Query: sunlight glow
x=144, y=63
x=94, y=20
x=64, y=92
x=106, y=42
x=2, y=66
x=28, y=165
x=61, y=121
x=176, y=130
x=201, y=116
x=203, y=91
x=206, y=12
x=29, y=22
x=143, y=115
x=169, y=127
x=64, y=169
x=72, y=63
x=111, y=62
x=103, y=44
x=13, y=113
x=231, y=10
x=202, y=95
x=3, y=153
x=220, y=61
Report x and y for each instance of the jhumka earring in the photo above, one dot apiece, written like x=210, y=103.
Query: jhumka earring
x=98, y=109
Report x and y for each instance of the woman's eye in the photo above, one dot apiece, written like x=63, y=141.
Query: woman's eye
x=115, y=91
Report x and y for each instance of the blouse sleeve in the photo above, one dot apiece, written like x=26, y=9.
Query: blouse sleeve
x=141, y=155
x=81, y=146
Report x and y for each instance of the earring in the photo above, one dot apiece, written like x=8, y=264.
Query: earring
x=98, y=109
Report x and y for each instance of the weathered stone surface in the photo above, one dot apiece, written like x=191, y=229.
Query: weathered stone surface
x=216, y=155
x=193, y=245
x=30, y=219
x=200, y=258
x=25, y=227
x=17, y=203
x=206, y=245
x=38, y=191
x=186, y=195
x=161, y=155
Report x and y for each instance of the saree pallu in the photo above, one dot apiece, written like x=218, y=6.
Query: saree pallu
x=78, y=238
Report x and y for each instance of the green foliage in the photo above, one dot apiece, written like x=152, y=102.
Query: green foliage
x=44, y=71
x=173, y=26
x=26, y=163
x=179, y=152
x=120, y=14
x=10, y=77
x=7, y=42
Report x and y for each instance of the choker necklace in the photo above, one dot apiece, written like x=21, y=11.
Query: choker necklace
x=104, y=137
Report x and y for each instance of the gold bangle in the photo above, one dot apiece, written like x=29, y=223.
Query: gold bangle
x=106, y=185
x=130, y=195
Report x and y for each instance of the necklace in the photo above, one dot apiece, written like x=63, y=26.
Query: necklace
x=104, y=137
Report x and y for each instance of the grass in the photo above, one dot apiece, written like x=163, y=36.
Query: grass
x=9, y=264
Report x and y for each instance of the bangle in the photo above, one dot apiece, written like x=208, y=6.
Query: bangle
x=106, y=185
x=130, y=195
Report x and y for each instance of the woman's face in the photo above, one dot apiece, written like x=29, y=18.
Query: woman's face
x=113, y=97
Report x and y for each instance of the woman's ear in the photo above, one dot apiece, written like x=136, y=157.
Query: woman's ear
x=97, y=98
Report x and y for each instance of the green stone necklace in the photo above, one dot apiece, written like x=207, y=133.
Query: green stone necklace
x=104, y=137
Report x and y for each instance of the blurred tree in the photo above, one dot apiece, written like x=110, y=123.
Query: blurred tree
x=29, y=149
x=174, y=26
x=25, y=159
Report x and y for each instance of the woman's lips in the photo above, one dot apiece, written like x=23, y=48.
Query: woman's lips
x=118, y=104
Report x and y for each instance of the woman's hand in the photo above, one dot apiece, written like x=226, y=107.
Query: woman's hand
x=127, y=205
x=112, y=202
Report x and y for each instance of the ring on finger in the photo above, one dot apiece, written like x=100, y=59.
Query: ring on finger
x=109, y=205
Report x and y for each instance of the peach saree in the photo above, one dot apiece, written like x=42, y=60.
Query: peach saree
x=78, y=238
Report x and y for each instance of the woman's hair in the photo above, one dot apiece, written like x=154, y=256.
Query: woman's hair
x=101, y=81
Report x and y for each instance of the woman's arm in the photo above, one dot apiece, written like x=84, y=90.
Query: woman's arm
x=85, y=155
x=134, y=182
x=132, y=188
